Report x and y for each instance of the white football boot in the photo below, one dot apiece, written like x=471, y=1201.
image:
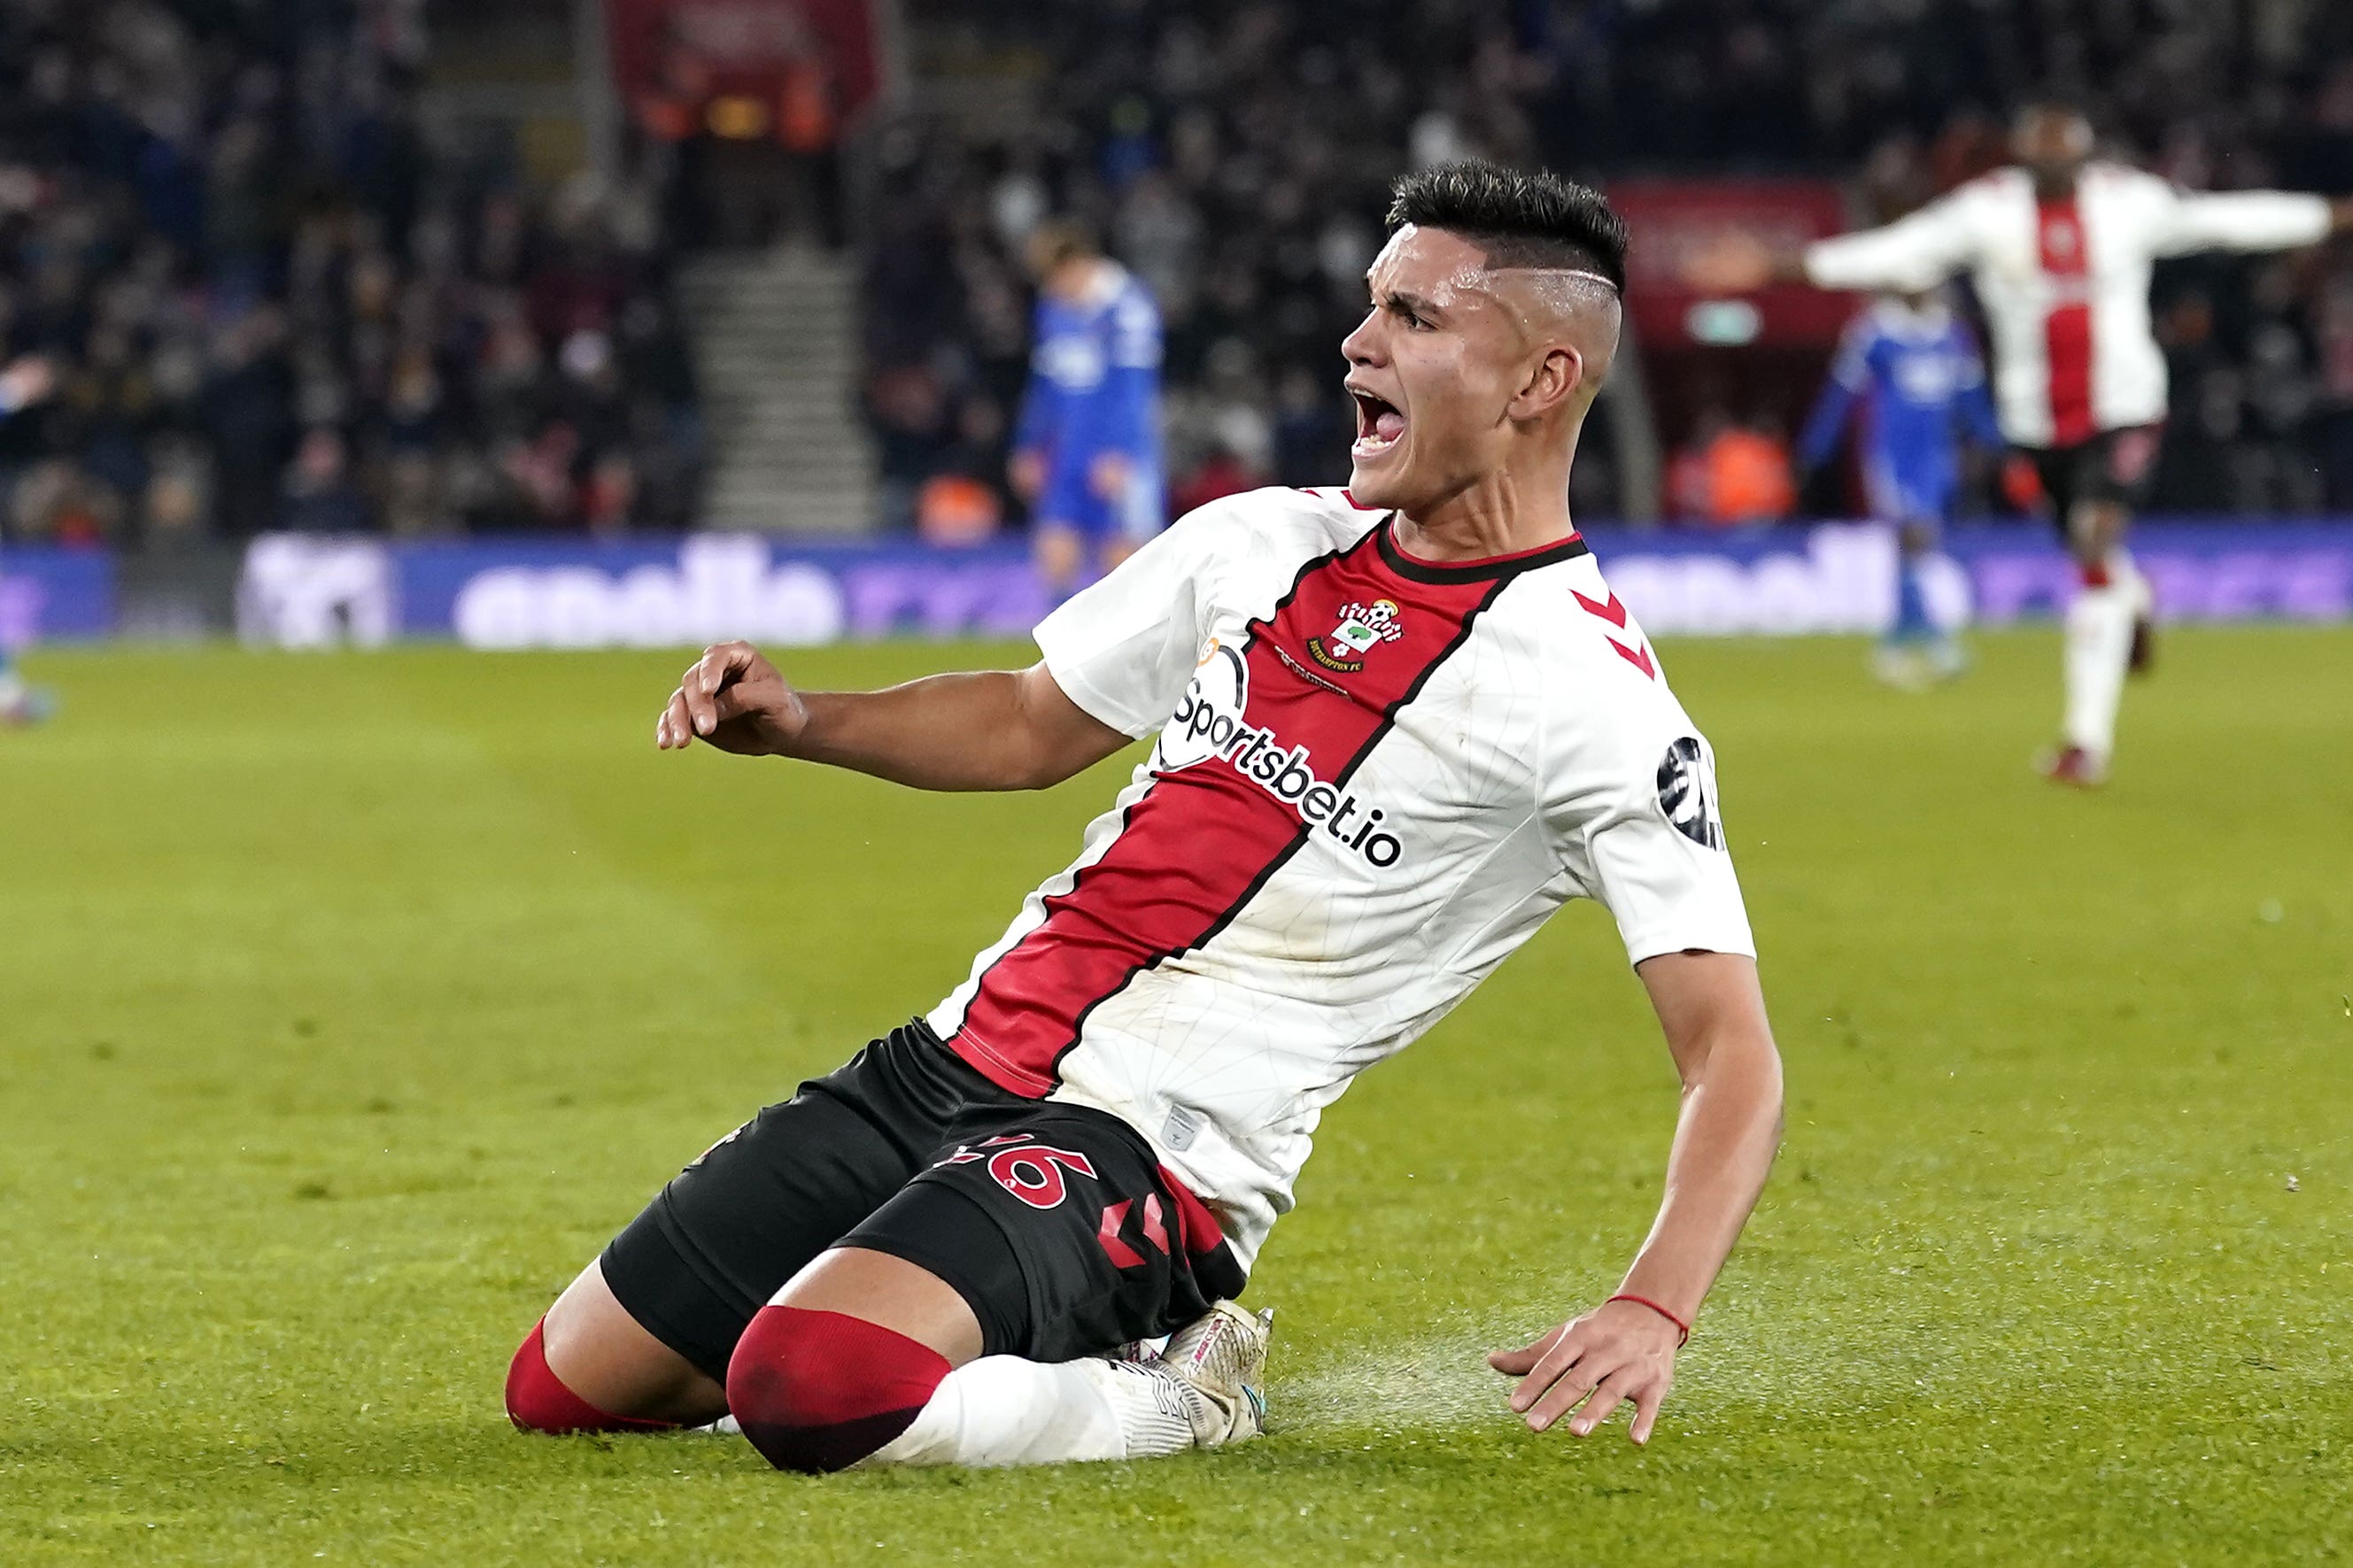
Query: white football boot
x=1140, y=1353
x=1219, y=1360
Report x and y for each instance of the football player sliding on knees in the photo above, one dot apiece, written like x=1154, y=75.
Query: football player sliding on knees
x=1395, y=727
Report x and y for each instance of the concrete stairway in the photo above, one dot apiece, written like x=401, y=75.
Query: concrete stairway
x=775, y=345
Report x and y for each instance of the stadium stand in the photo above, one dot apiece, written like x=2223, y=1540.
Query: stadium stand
x=276, y=296
x=1234, y=153
x=273, y=299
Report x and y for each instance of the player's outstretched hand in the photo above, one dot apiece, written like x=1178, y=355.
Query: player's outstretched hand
x=735, y=699
x=1618, y=1353
x=1730, y=262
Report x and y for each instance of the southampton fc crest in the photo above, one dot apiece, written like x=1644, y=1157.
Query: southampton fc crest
x=1361, y=629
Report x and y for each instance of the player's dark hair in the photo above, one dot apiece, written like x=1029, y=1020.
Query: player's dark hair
x=2063, y=101
x=1059, y=239
x=1518, y=218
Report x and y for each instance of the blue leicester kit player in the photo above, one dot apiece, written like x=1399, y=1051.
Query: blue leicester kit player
x=1910, y=370
x=23, y=384
x=1086, y=453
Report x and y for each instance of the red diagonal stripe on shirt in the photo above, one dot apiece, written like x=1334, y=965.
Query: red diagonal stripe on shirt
x=1204, y=838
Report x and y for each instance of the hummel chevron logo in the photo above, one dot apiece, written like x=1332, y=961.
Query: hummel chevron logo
x=1610, y=610
x=1114, y=1220
x=1640, y=660
x=1614, y=610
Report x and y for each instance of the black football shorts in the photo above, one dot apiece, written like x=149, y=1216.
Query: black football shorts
x=2112, y=466
x=1055, y=1223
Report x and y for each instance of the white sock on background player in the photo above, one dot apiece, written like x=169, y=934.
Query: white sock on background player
x=1003, y=1410
x=2099, y=647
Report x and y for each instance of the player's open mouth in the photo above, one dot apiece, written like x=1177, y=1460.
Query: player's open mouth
x=1378, y=425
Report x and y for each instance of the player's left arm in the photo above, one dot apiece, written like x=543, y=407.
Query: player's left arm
x=1713, y=1012
x=2247, y=220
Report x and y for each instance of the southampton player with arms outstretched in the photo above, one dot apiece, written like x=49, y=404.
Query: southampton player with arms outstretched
x=1398, y=726
x=2060, y=248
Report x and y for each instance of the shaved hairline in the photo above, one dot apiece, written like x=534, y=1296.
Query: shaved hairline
x=1565, y=307
x=1587, y=273
x=1511, y=247
x=1564, y=291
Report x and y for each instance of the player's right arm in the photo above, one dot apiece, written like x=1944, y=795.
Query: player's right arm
x=972, y=730
x=1118, y=658
x=1909, y=255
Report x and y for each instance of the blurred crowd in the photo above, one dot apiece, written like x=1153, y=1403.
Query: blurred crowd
x=242, y=287
x=245, y=284
x=1235, y=154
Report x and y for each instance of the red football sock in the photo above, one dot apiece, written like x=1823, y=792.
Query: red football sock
x=820, y=1391
x=538, y=1400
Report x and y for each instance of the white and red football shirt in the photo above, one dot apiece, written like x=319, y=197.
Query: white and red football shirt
x=1375, y=777
x=2065, y=284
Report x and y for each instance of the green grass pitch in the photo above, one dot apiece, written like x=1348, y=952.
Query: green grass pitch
x=347, y=1004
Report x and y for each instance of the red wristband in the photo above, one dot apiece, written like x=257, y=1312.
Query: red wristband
x=1683, y=1329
